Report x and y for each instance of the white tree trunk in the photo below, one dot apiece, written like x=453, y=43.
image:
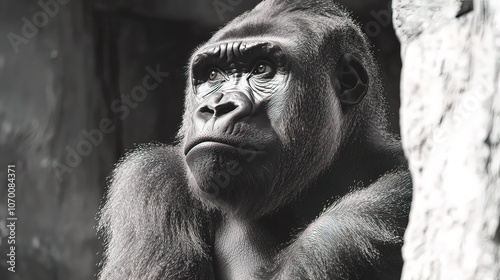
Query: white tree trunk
x=450, y=125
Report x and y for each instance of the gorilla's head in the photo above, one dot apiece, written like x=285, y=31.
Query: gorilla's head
x=271, y=100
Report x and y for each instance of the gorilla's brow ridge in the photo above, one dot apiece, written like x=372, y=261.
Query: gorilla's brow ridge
x=238, y=53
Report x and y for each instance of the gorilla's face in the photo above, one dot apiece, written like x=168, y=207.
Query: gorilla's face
x=233, y=150
x=262, y=119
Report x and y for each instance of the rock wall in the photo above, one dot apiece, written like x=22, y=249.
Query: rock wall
x=450, y=125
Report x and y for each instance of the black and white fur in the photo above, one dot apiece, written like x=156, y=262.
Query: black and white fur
x=332, y=202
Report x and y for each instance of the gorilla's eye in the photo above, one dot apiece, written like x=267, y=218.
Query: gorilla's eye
x=263, y=67
x=215, y=74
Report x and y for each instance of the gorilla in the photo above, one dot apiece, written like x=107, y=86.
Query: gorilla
x=284, y=166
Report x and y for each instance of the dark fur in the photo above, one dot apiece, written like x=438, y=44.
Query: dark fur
x=333, y=204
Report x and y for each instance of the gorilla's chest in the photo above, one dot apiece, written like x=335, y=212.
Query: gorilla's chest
x=241, y=249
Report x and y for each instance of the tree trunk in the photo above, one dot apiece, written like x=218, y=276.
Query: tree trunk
x=450, y=126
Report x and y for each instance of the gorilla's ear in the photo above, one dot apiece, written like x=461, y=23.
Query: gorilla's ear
x=352, y=80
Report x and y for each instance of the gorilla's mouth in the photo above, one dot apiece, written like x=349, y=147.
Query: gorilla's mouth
x=215, y=142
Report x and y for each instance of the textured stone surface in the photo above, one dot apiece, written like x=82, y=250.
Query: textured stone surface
x=450, y=124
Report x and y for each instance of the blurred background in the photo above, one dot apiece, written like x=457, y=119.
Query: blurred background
x=73, y=100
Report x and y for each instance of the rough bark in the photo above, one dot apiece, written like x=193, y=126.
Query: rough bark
x=450, y=125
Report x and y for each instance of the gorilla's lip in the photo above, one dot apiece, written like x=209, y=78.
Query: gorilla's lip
x=232, y=143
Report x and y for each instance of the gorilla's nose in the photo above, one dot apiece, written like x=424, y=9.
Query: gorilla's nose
x=223, y=110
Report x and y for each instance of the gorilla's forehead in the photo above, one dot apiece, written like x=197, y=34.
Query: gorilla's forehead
x=291, y=21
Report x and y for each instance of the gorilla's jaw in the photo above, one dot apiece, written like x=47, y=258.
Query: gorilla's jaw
x=233, y=180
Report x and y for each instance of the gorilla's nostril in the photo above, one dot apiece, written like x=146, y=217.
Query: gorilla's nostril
x=222, y=109
x=207, y=110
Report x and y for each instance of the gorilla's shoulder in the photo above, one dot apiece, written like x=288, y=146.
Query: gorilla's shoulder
x=150, y=166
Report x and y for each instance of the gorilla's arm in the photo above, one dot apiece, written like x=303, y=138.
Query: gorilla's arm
x=359, y=237
x=153, y=228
